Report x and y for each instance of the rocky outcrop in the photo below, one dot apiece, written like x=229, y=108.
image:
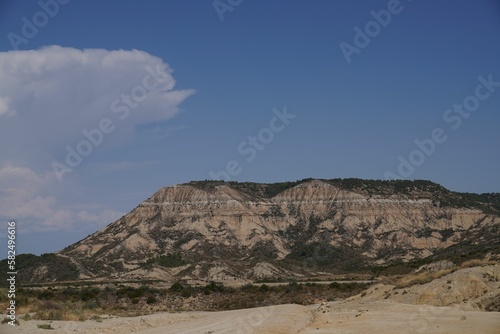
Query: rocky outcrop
x=228, y=230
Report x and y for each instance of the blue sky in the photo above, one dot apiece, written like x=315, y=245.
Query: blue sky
x=225, y=80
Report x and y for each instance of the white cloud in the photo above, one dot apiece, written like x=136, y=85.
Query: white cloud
x=51, y=95
x=22, y=197
x=104, y=217
x=162, y=132
x=47, y=98
x=4, y=107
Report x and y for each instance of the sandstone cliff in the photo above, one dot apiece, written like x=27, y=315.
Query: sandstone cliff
x=225, y=231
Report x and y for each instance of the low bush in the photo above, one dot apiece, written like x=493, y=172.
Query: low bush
x=422, y=278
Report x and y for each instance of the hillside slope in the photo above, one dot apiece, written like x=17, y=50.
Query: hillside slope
x=223, y=231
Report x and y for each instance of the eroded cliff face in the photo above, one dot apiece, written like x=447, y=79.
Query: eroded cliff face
x=312, y=227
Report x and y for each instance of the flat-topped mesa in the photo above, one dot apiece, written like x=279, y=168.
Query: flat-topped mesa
x=316, y=190
x=242, y=225
x=188, y=200
x=185, y=193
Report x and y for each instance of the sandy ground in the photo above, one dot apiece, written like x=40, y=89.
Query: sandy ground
x=354, y=316
x=381, y=309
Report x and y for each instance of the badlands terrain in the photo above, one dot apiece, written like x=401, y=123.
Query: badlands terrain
x=455, y=302
x=234, y=232
x=228, y=257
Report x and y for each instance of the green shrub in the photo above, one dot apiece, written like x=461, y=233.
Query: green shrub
x=177, y=287
x=6, y=320
x=89, y=293
x=293, y=286
x=70, y=292
x=135, y=293
x=248, y=287
x=167, y=261
x=90, y=305
x=45, y=326
x=213, y=287
x=186, y=293
x=264, y=288
x=45, y=294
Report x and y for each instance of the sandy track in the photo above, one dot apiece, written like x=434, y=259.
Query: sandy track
x=338, y=317
x=390, y=317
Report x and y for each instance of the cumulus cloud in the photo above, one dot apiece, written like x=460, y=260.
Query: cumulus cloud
x=104, y=217
x=49, y=96
x=23, y=197
x=20, y=198
x=4, y=106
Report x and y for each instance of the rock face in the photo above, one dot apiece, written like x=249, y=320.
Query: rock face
x=232, y=230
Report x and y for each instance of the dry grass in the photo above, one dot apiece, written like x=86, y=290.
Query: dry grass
x=422, y=278
x=56, y=310
x=428, y=276
x=79, y=304
x=72, y=311
x=477, y=263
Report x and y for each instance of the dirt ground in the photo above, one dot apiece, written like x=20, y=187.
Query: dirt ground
x=448, y=304
x=354, y=316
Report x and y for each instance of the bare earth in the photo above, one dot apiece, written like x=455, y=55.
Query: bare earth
x=381, y=309
x=336, y=317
